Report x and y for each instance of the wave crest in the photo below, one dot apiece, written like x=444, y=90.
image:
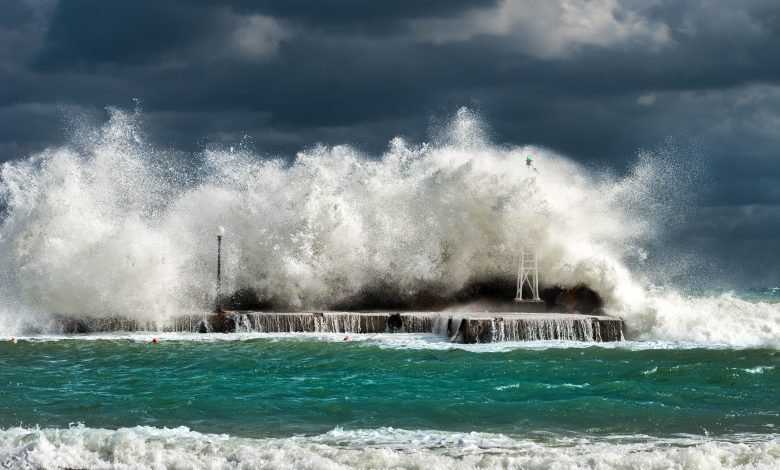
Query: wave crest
x=145, y=447
x=109, y=225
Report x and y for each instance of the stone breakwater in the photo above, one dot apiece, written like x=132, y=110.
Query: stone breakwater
x=466, y=327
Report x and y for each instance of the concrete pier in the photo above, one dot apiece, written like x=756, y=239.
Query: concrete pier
x=488, y=327
x=465, y=327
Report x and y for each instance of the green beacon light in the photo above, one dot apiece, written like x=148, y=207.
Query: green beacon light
x=528, y=160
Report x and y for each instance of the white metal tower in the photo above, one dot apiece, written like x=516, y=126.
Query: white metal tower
x=528, y=268
x=528, y=274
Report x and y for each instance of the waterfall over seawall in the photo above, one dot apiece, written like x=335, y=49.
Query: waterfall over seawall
x=546, y=328
x=461, y=327
x=340, y=322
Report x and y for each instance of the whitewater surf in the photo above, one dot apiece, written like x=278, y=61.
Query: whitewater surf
x=110, y=226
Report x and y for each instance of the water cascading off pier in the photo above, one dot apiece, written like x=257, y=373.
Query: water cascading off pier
x=464, y=327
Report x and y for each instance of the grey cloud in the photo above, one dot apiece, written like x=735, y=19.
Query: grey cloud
x=546, y=29
x=356, y=15
x=22, y=27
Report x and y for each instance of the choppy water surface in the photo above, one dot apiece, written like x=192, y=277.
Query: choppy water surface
x=328, y=401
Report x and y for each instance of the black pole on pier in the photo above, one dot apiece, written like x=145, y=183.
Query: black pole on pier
x=218, y=300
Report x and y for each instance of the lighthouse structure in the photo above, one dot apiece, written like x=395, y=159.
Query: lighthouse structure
x=528, y=266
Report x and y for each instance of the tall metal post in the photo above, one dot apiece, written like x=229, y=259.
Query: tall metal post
x=219, y=261
x=218, y=300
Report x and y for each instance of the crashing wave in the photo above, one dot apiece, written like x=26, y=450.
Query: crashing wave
x=112, y=226
x=146, y=447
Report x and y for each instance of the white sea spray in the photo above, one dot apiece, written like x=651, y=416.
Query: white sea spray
x=109, y=225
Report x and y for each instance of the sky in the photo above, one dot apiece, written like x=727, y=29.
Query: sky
x=596, y=80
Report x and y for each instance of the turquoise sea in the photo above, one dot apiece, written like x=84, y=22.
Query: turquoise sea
x=383, y=401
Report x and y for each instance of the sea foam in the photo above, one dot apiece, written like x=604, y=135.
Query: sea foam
x=110, y=225
x=146, y=447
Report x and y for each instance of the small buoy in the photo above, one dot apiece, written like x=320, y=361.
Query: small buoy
x=155, y=340
x=346, y=338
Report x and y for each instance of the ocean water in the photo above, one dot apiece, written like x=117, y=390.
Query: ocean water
x=386, y=401
x=109, y=225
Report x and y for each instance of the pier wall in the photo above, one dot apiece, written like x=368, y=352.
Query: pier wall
x=467, y=327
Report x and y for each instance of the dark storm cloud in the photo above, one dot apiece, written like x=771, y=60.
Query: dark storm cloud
x=22, y=25
x=338, y=13
x=88, y=32
x=85, y=32
x=597, y=80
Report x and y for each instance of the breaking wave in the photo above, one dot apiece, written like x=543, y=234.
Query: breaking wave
x=110, y=225
x=146, y=447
